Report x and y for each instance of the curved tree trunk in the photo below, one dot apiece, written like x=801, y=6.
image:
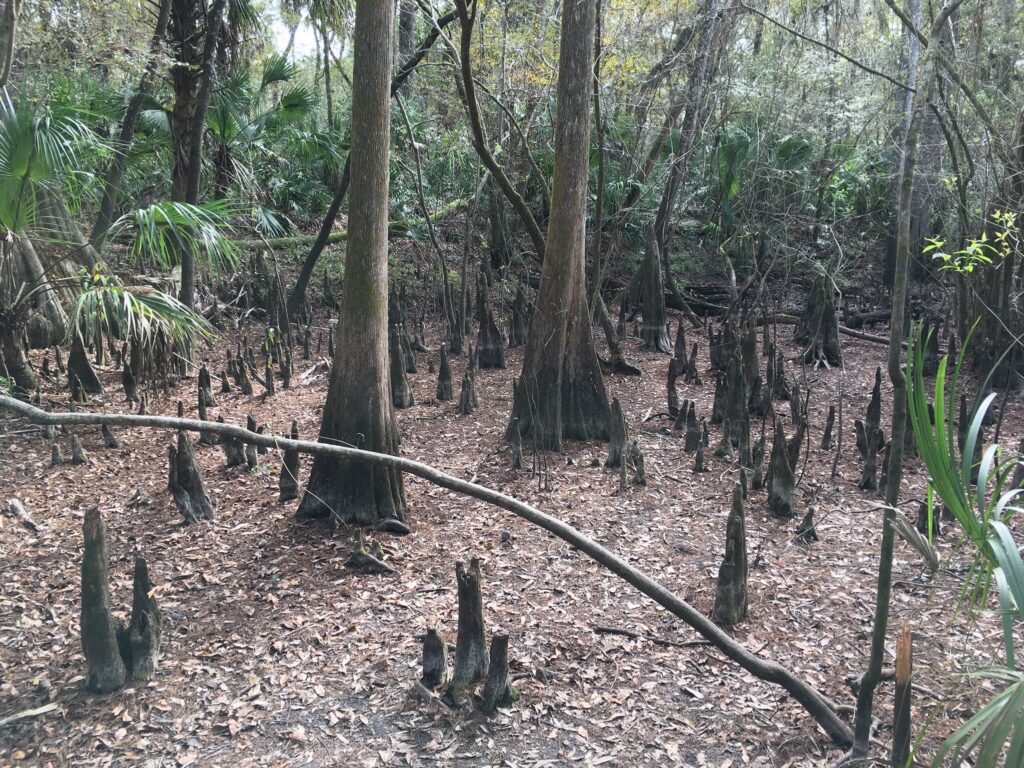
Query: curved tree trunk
x=359, y=410
x=562, y=394
x=126, y=134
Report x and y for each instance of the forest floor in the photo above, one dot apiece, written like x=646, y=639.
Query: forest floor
x=275, y=654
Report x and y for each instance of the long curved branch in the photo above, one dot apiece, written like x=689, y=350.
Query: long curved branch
x=814, y=702
x=466, y=20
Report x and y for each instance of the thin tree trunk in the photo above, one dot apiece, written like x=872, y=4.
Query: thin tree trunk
x=126, y=134
x=926, y=83
x=298, y=294
x=197, y=129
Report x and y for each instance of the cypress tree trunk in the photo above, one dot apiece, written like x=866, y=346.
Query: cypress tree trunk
x=562, y=394
x=358, y=408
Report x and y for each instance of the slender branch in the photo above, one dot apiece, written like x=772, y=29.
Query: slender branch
x=826, y=46
x=467, y=19
x=814, y=702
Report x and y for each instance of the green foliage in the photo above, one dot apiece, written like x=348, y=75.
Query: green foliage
x=138, y=312
x=39, y=149
x=160, y=232
x=979, y=251
x=981, y=510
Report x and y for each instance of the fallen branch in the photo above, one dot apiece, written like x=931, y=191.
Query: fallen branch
x=396, y=228
x=814, y=702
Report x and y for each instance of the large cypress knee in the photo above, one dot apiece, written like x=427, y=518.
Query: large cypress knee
x=435, y=659
x=140, y=643
x=731, y=594
x=444, y=377
x=104, y=668
x=781, y=482
x=471, y=644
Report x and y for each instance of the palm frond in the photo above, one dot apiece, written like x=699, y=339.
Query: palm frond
x=160, y=233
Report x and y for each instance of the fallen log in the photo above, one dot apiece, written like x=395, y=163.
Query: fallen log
x=823, y=711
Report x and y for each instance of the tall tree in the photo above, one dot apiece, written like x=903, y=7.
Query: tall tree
x=359, y=409
x=561, y=392
x=193, y=35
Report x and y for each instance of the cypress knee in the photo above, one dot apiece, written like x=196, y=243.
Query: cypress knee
x=444, y=377
x=498, y=690
x=471, y=658
x=435, y=660
x=618, y=445
x=104, y=668
x=731, y=593
x=781, y=482
x=401, y=392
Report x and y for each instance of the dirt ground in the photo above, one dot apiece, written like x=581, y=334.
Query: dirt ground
x=276, y=655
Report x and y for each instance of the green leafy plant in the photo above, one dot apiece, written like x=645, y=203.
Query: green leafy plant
x=980, y=508
x=137, y=312
x=979, y=251
x=160, y=232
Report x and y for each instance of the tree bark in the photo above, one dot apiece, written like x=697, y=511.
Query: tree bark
x=126, y=134
x=359, y=409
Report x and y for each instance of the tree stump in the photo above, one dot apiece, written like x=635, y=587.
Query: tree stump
x=444, y=377
x=498, y=691
x=517, y=444
x=104, y=668
x=718, y=404
x=466, y=396
x=131, y=387
x=288, y=480
x=818, y=329
x=186, y=483
x=731, y=593
x=830, y=421
x=140, y=642
x=206, y=388
x=693, y=434
x=244, y=380
x=807, y=532
x=435, y=660
x=724, y=449
x=234, y=451
x=108, y=437
x=673, y=395
x=471, y=660
x=636, y=463
x=781, y=481
x=79, y=365
x=698, y=460
x=490, y=344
